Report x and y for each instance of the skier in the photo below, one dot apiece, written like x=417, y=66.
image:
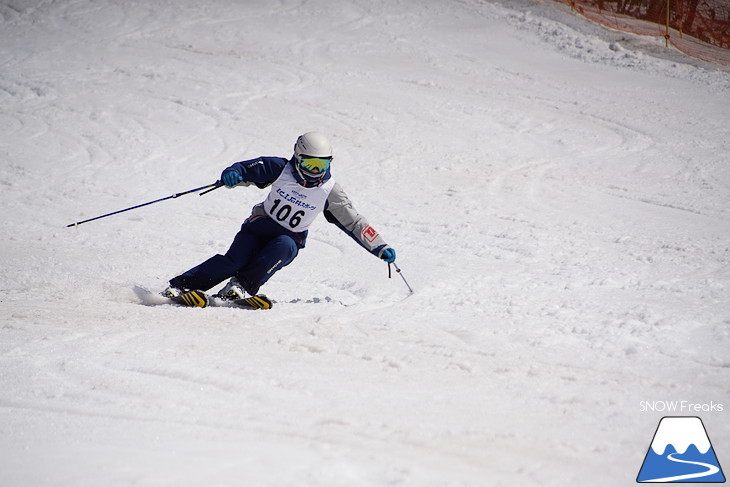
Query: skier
x=270, y=239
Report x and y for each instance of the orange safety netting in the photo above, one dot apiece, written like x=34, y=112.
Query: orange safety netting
x=700, y=28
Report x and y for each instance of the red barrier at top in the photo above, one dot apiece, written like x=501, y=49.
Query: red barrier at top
x=700, y=28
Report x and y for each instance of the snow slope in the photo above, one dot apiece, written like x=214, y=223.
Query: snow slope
x=557, y=194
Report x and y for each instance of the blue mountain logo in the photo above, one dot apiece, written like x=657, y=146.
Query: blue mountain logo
x=681, y=452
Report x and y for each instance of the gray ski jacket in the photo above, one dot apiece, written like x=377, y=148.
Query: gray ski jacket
x=264, y=171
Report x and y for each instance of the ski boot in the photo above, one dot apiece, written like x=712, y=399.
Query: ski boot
x=231, y=291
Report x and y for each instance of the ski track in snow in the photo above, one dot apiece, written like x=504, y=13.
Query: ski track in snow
x=557, y=193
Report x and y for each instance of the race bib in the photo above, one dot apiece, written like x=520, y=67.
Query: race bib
x=292, y=205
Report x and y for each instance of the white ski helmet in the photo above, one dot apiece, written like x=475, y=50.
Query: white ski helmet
x=313, y=144
x=312, y=156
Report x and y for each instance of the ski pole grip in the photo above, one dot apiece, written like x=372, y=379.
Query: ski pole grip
x=217, y=185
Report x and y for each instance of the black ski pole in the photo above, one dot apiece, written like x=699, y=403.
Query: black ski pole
x=213, y=186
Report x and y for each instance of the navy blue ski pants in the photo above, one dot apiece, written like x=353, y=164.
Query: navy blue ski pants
x=260, y=249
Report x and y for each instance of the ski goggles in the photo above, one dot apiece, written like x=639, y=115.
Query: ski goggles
x=314, y=165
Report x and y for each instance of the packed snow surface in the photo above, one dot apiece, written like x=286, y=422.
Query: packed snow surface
x=558, y=195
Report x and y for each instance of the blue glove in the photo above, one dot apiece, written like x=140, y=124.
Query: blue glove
x=388, y=255
x=231, y=178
